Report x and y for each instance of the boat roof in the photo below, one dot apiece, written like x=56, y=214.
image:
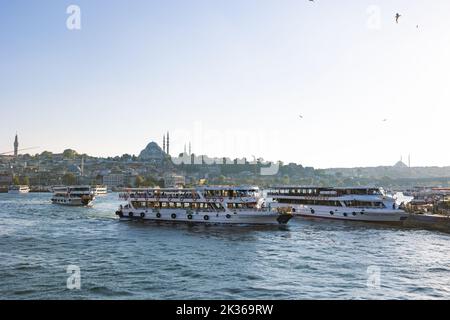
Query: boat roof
x=202, y=188
x=324, y=188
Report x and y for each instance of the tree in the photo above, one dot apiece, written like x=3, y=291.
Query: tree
x=69, y=179
x=15, y=181
x=139, y=181
x=25, y=181
x=150, y=182
x=70, y=154
x=221, y=179
x=125, y=157
x=46, y=154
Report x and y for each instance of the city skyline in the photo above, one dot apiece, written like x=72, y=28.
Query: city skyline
x=238, y=80
x=180, y=157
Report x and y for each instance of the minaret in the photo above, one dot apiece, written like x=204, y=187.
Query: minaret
x=82, y=166
x=184, y=149
x=16, y=146
x=168, y=144
x=190, y=148
x=164, y=143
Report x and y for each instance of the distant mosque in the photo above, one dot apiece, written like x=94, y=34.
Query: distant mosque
x=166, y=148
x=153, y=151
x=166, y=145
x=190, y=151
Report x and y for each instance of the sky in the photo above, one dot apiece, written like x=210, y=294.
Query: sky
x=291, y=80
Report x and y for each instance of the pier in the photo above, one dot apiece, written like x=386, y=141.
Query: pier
x=428, y=222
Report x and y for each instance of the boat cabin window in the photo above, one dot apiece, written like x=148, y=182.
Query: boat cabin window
x=364, y=204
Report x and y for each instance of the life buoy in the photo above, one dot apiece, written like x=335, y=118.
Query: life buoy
x=206, y=218
x=189, y=216
x=221, y=199
x=228, y=216
x=131, y=214
x=158, y=215
x=174, y=216
x=181, y=199
x=312, y=211
x=142, y=214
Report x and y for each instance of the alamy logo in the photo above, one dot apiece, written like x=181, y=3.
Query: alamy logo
x=73, y=22
x=74, y=280
x=374, y=17
x=373, y=277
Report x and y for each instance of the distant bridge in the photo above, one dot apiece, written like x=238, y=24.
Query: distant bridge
x=9, y=152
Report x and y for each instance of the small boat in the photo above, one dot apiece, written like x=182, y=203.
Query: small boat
x=18, y=189
x=209, y=205
x=73, y=196
x=365, y=204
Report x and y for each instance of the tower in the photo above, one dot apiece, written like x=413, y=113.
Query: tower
x=164, y=143
x=16, y=146
x=168, y=144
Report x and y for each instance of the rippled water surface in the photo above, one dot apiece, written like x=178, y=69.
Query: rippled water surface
x=120, y=260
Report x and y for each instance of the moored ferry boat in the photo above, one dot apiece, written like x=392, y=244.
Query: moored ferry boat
x=100, y=190
x=73, y=196
x=358, y=204
x=213, y=205
x=18, y=189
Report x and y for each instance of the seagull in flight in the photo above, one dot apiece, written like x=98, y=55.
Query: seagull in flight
x=397, y=16
x=301, y=117
x=385, y=120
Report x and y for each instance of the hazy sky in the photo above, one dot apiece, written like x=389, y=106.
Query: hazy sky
x=232, y=76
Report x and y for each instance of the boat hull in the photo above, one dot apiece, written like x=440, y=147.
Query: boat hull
x=183, y=216
x=73, y=202
x=352, y=214
x=18, y=192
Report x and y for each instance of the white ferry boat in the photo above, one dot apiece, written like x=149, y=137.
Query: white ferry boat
x=214, y=205
x=18, y=189
x=100, y=190
x=357, y=204
x=73, y=196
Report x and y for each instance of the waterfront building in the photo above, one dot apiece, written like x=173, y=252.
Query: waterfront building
x=174, y=180
x=114, y=180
